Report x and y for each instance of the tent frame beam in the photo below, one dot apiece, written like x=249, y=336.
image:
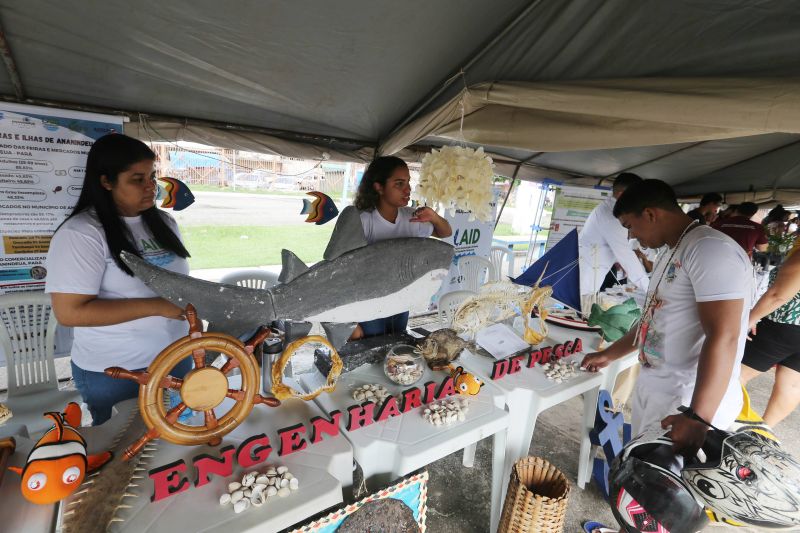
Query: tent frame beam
x=461, y=71
x=134, y=116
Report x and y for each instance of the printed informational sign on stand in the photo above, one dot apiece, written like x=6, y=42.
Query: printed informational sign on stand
x=470, y=237
x=42, y=159
x=571, y=208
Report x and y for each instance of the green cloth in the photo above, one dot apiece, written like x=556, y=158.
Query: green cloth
x=616, y=321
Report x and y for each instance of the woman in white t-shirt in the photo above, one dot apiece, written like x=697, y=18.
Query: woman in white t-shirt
x=118, y=321
x=382, y=200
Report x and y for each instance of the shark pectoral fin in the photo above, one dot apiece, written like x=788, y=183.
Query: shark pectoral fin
x=338, y=333
x=293, y=266
x=347, y=235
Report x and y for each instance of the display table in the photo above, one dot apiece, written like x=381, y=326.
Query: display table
x=529, y=392
x=323, y=469
x=399, y=445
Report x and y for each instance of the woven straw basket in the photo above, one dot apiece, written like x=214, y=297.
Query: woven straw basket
x=536, y=501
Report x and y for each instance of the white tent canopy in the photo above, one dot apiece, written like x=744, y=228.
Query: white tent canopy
x=701, y=94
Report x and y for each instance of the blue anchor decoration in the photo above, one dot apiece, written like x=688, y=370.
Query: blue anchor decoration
x=606, y=433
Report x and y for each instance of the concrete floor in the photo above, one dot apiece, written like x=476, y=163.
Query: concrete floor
x=458, y=497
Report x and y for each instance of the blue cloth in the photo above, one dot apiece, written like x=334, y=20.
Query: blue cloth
x=561, y=271
x=383, y=326
x=102, y=392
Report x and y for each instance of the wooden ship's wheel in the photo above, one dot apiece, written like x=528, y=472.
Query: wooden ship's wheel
x=202, y=389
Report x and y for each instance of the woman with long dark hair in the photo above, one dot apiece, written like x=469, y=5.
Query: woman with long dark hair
x=382, y=199
x=118, y=321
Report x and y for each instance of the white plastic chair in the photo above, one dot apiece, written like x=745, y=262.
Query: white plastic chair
x=27, y=338
x=475, y=271
x=498, y=256
x=449, y=303
x=253, y=278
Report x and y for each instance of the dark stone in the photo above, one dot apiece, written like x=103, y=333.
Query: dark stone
x=381, y=516
x=368, y=350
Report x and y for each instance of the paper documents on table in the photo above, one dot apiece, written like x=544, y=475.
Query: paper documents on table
x=500, y=341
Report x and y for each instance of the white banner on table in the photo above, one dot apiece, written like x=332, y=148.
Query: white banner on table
x=42, y=159
x=470, y=237
x=571, y=208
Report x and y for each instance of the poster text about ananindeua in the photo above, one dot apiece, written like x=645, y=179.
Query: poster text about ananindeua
x=42, y=161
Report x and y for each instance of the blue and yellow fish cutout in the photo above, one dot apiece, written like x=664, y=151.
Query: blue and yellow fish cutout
x=321, y=210
x=464, y=382
x=58, y=462
x=174, y=194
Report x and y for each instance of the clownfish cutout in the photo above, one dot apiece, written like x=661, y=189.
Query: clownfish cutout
x=321, y=210
x=58, y=462
x=464, y=382
x=174, y=194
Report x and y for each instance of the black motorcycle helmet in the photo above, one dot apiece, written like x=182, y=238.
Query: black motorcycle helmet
x=647, y=495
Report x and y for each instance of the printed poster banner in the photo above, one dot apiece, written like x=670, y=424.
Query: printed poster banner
x=571, y=208
x=42, y=159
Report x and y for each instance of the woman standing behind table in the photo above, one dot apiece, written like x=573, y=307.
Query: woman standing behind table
x=382, y=199
x=118, y=321
x=776, y=339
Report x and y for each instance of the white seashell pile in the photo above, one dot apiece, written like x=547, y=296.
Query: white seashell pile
x=255, y=488
x=446, y=412
x=371, y=393
x=561, y=371
x=403, y=369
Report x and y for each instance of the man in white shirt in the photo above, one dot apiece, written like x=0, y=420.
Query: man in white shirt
x=603, y=241
x=693, y=329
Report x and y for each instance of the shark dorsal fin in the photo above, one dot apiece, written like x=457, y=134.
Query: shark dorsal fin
x=293, y=266
x=347, y=235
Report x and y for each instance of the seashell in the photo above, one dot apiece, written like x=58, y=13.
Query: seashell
x=241, y=506
x=233, y=487
x=271, y=471
x=237, y=495
x=288, y=475
x=358, y=395
x=248, y=493
x=258, y=487
x=282, y=469
x=271, y=491
x=262, y=480
x=248, y=480
x=426, y=412
x=284, y=483
x=258, y=499
x=294, y=484
x=284, y=492
x=461, y=417
x=273, y=480
x=225, y=499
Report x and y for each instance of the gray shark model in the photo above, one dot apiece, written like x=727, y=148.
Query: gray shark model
x=354, y=283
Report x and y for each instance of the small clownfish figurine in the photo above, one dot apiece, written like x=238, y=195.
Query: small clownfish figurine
x=58, y=462
x=465, y=383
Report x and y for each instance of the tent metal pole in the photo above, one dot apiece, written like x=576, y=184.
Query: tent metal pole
x=513, y=180
x=11, y=65
x=452, y=78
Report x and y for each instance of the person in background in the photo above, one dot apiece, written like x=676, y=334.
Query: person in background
x=775, y=327
x=603, y=242
x=741, y=229
x=118, y=320
x=776, y=220
x=382, y=199
x=706, y=213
